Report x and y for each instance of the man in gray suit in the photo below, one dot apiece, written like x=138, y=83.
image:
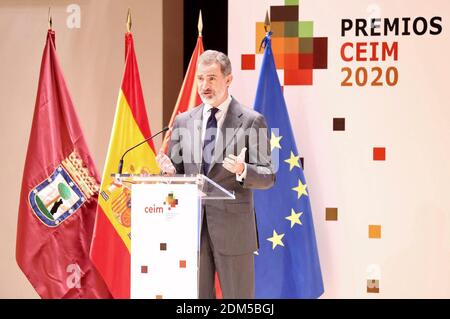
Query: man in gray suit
x=227, y=142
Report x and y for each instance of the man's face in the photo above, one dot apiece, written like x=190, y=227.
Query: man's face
x=212, y=84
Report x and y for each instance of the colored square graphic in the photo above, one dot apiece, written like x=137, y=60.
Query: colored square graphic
x=374, y=231
x=260, y=34
x=306, y=45
x=144, y=269
x=373, y=286
x=339, y=124
x=279, y=61
x=305, y=29
x=290, y=45
x=283, y=13
x=305, y=61
x=277, y=29
x=162, y=246
x=278, y=45
x=331, y=213
x=291, y=29
x=159, y=297
x=379, y=153
x=298, y=77
x=291, y=61
x=291, y=2
x=320, y=49
x=289, y=37
x=247, y=62
x=182, y=263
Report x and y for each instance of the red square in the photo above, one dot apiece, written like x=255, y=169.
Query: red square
x=298, y=77
x=306, y=61
x=291, y=61
x=247, y=61
x=379, y=153
x=182, y=263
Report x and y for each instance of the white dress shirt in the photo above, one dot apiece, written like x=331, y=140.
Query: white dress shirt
x=220, y=117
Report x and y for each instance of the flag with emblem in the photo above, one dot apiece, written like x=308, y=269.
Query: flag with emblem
x=59, y=194
x=110, y=249
x=287, y=262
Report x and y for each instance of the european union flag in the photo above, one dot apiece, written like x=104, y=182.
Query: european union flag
x=287, y=264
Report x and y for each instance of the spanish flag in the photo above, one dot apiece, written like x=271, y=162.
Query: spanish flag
x=188, y=97
x=111, y=243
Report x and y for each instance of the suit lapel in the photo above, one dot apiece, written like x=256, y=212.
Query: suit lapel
x=233, y=120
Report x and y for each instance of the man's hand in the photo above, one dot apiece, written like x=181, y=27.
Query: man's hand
x=235, y=164
x=165, y=164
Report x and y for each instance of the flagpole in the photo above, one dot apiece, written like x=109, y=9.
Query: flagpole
x=129, y=20
x=267, y=22
x=50, y=21
x=200, y=24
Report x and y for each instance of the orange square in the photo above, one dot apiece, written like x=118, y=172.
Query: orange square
x=260, y=34
x=331, y=213
x=277, y=28
x=182, y=263
x=279, y=61
x=291, y=45
x=278, y=45
x=374, y=231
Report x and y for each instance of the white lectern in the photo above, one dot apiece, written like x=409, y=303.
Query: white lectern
x=165, y=233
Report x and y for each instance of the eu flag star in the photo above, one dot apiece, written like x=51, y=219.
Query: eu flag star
x=300, y=189
x=293, y=161
x=275, y=141
x=276, y=239
x=294, y=218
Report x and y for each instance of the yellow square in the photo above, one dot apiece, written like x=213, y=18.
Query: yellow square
x=260, y=34
x=374, y=231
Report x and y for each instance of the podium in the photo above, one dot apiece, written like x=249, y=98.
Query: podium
x=165, y=232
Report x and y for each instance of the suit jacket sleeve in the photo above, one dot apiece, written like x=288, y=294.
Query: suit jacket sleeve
x=260, y=173
x=175, y=149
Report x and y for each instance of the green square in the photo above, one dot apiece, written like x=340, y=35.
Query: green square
x=291, y=29
x=306, y=45
x=291, y=2
x=305, y=29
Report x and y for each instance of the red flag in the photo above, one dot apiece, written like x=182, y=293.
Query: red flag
x=188, y=97
x=59, y=195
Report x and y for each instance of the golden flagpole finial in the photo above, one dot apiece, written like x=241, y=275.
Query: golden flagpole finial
x=50, y=21
x=200, y=24
x=129, y=20
x=267, y=22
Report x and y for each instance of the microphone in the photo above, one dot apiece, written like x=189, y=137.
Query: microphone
x=131, y=148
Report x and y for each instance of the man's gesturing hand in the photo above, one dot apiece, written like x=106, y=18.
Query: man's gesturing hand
x=235, y=164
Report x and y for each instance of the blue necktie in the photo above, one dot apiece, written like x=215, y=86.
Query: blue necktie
x=209, y=141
